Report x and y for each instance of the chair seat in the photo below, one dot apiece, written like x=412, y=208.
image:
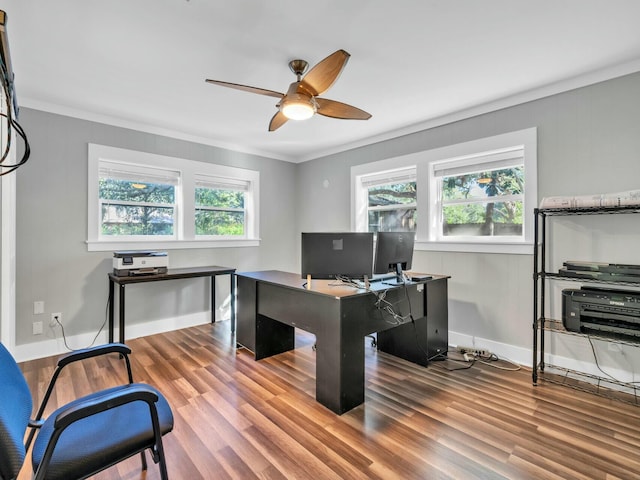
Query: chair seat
x=82, y=451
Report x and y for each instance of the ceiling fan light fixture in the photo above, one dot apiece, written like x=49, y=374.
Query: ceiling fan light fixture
x=303, y=98
x=297, y=106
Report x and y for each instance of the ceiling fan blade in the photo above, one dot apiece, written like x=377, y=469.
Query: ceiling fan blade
x=246, y=88
x=277, y=121
x=322, y=76
x=333, y=109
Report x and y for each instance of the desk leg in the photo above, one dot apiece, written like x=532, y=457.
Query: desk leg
x=111, y=303
x=121, y=308
x=213, y=299
x=232, y=278
x=339, y=371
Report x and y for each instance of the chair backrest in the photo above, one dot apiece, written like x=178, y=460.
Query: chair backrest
x=15, y=411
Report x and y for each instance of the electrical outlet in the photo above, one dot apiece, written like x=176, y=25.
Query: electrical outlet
x=37, y=328
x=55, y=319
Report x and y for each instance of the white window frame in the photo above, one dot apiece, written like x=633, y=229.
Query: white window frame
x=143, y=174
x=483, y=161
x=184, y=230
x=225, y=183
x=386, y=177
x=428, y=210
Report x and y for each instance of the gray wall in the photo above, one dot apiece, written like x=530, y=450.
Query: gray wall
x=588, y=142
x=53, y=264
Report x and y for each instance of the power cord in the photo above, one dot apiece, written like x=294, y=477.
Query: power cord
x=470, y=359
x=382, y=304
x=595, y=358
x=12, y=124
x=64, y=336
x=467, y=364
x=494, y=358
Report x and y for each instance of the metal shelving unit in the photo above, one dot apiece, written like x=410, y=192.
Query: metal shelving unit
x=599, y=385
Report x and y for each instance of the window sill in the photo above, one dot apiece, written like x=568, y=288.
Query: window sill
x=110, y=246
x=511, y=248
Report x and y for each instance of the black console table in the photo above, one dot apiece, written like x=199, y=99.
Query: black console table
x=172, y=274
x=272, y=303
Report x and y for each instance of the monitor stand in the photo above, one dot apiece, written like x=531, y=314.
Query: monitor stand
x=399, y=280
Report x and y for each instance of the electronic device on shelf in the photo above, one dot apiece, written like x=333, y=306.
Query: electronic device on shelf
x=394, y=253
x=607, y=312
x=139, y=262
x=330, y=255
x=609, y=272
x=628, y=269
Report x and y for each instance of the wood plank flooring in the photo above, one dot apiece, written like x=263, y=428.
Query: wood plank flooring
x=236, y=418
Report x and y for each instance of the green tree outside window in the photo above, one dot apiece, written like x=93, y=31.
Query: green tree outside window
x=485, y=203
x=136, y=208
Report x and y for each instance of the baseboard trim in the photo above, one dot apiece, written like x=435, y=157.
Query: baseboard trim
x=56, y=346
x=524, y=356
x=519, y=355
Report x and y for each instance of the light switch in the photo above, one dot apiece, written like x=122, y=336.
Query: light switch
x=38, y=307
x=37, y=328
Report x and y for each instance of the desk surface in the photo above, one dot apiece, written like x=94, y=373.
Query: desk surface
x=173, y=274
x=332, y=288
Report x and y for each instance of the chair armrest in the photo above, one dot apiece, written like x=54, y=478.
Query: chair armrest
x=95, y=405
x=130, y=393
x=96, y=351
x=69, y=358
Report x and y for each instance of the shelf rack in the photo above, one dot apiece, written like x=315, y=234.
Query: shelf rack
x=600, y=385
x=595, y=384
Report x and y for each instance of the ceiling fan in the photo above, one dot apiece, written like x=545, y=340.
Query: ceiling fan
x=301, y=100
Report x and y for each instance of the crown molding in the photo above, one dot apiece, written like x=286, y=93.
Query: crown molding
x=561, y=86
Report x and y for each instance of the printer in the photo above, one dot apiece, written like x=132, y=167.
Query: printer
x=602, y=311
x=139, y=262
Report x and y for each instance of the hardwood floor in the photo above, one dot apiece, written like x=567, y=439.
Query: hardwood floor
x=238, y=418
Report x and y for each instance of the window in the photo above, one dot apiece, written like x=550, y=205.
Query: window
x=141, y=200
x=220, y=206
x=474, y=196
x=481, y=195
x=391, y=201
x=137, y=201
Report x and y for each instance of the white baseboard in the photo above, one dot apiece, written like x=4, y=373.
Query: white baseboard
x=56, y=346
x=519, y=355
x=524, y=356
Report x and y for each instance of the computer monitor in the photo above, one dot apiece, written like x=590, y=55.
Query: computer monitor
x=328, y=255
x=394, y=252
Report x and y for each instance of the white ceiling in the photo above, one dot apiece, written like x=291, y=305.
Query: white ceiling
x=414, y=63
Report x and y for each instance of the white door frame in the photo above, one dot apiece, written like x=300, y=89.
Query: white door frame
x=8, y=251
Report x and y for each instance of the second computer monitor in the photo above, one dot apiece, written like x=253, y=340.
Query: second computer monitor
x=394, y=252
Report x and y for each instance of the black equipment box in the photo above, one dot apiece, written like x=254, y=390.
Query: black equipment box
x=605, y=312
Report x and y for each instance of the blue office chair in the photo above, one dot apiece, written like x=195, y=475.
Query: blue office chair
x=86, y=435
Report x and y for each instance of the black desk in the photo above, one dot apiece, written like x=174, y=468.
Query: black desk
x=272, y=303
x=172, y=274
